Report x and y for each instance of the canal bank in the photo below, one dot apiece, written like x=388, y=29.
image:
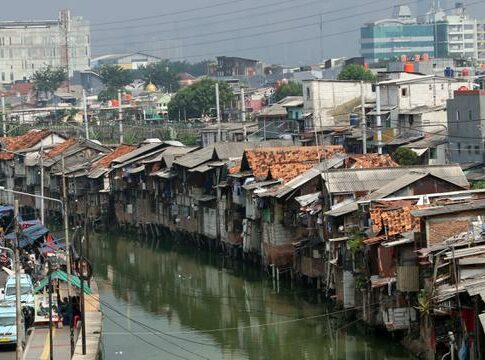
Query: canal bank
x=169, y=300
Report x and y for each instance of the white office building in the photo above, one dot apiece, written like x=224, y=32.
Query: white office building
x=26, y=46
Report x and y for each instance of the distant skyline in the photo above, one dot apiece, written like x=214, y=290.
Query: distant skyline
x=274, y=31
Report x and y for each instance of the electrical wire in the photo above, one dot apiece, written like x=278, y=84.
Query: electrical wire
x=142, y=339
x=301, y=40
x=274, y=323
x=250, y=27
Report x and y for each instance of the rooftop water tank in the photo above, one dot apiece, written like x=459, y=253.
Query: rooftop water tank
x=409, y=67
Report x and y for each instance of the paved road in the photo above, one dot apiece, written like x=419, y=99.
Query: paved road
x=7, y=353
x=38, y=347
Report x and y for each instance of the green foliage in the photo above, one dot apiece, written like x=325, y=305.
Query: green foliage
x=424, y=303
x=198, y=99
x=188, y=138
x=48, y=79
x=291, y=89
x=405, y=157
x=478, y=185
x=356, y=72
x=161, y=74
x=114, y=77
x=196, y=69
x=355, y=242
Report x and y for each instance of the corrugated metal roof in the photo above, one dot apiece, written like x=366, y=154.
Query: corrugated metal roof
x=449, y=209
x=395, y=185
x=344, y=209
x=135, y=153
x=97, y=172
x=171, y=151
x=201, y=168
x=138, y=158
x=196, y=158
x=365, y=180
x=260, y=184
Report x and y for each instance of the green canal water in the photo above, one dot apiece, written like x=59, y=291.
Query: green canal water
x=162, y=301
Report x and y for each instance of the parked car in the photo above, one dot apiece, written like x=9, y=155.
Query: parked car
x=26, y=290
x=8, y=325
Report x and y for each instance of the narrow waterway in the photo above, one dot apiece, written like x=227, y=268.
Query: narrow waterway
x=169, y=302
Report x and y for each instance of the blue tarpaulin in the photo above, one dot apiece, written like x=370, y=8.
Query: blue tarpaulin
x=6, y=210
x=29, y=235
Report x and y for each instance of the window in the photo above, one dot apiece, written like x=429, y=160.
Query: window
x=477, y=149
x=469, y=115
x=411, y=120
x=442, y=86
x=469, y=148
x=404, y=92
x=457, y=115
x=308, y=95
x=433, y=154
x=459, y=148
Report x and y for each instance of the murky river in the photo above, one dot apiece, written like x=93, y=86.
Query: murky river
x=171, y=302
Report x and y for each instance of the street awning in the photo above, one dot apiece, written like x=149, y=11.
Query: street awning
x=62, y=276
x=28, y=235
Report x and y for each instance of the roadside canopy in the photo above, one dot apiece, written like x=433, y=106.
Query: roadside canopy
x=62, y=276
x=28, y=235
x=6, y=210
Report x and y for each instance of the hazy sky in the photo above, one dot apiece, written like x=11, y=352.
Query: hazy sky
x=275, y=31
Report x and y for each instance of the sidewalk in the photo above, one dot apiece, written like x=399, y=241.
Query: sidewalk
x=38, y=345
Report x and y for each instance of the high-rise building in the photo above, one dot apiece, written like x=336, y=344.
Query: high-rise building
x=26, y=46
x=481, y=39
x=440, y=34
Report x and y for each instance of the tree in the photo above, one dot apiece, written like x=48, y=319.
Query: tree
x=162, y=75
x=356, y=72
x=405, y=157
x=114, y=77
x=292, y=88
x=199, y=99
x=48, y=79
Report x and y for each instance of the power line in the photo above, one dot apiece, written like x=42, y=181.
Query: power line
x=301, y=40
x=198, y=18
x=178, y=12
x=250, y=27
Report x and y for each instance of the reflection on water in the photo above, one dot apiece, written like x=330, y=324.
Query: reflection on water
x=163, y=302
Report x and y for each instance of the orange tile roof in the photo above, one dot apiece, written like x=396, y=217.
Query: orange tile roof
x=234, y=167
x=24, y=141
x=288, y=162
x=395, y=216
x=369, y=161
x=58, y=149
x=106, y=160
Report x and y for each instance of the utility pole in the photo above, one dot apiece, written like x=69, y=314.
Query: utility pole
x=364, y=121
x=4, y=118
x=68, y=247
x=218, y=111
x=85, y=110
x=378, y=119
x=120, y=116
x=18, y=307
x=50, y=288
x=41, y=161
x=243, y=105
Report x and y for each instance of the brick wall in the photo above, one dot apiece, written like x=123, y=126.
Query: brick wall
x=439, y=229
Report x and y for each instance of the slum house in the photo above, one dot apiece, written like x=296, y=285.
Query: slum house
x=347, y=221
x=161, y=182
x=62, y=159
x=265, y=232
x=12, y=168
x=128, y=184
x=98, y=193
x=309, y=251
x=453, y=274
x=230, y=132
x=198, y=208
